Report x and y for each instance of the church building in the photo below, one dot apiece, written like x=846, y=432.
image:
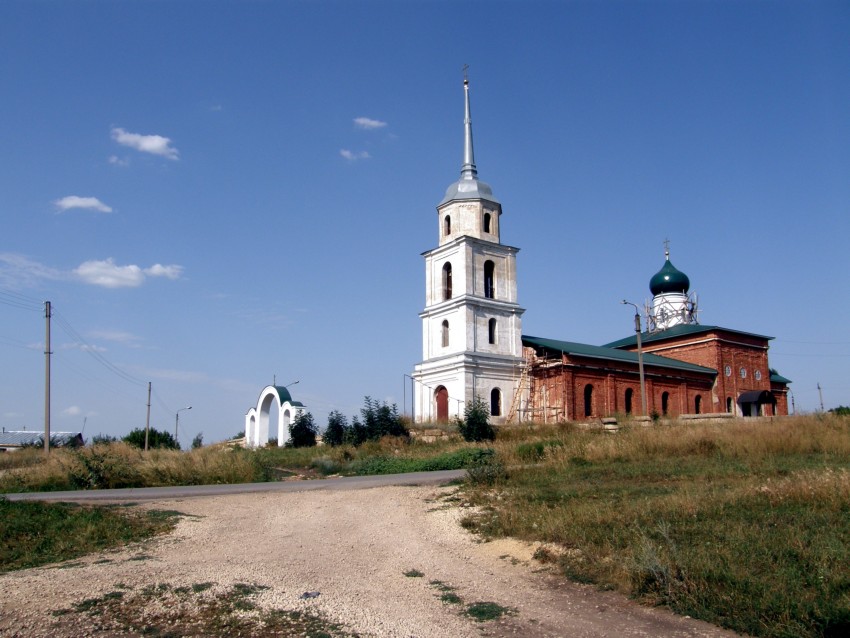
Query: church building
x=473, y=346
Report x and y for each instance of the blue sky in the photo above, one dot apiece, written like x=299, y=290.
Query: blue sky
x=212, y=194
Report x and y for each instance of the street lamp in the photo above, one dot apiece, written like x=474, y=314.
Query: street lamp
x=177, y=420
x=640, y=357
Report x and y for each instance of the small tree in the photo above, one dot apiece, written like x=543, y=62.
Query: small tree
x=156, y=439
x=198, y=441
x=337, y=430
x=475, y=425
x=357, y=434
x=302, y=431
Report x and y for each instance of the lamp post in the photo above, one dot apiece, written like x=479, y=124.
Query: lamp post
x=177, y=421
x=640, y=357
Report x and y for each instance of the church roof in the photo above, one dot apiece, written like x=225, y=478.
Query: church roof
x=611, y=354
x=468, y=186
x=775, y=377
x=680, y=330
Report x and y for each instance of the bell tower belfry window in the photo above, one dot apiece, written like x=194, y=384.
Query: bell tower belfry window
x=470, y=285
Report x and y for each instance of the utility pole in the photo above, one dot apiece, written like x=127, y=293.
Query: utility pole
x=820, y=394
x=148, y=421
x=640, y=356
x=47, y=315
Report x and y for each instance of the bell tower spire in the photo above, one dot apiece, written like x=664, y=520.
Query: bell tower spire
x=468, y=170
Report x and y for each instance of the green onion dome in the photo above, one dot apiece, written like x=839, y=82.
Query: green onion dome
x=669, y=279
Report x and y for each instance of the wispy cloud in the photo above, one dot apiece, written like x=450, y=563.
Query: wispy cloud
x=118, y=161
x=75, y=201
x=368, y=123
x=72, y=411
x=83, y=347
x=153, y=144
x=354, y=156
x=19, y=271
x=116, y=336
x=108, y=274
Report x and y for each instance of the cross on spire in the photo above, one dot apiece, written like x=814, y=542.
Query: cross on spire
x=667, y=248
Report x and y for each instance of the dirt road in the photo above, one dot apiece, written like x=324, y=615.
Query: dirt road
x=388, y=561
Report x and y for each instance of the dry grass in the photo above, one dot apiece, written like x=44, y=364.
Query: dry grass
x=745, y=524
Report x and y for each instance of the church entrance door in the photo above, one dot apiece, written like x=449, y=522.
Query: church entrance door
x=442, y=398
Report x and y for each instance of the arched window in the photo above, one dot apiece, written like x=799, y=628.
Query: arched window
x=441, y=398
x=729, y=405
x=486, y=222
x=445, y=333
x=697, y=404
x=447, y=225
x=665, y=402
x=491, y=331
x=588, y=400
x=495, y=402
x=489, y=279
x=447, y=281
x=629, y=394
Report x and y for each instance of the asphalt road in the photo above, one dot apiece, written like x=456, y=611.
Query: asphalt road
x=136, y=494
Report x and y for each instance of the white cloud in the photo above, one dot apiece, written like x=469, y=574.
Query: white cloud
x=118, y=161
x=72, y=411
x=18, y=271
x=158, y=270
x=368, y=123
x=109, y=275
x=153, y=144
x=74, y=201
x=352, y=156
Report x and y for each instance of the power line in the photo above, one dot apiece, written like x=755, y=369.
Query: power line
x=17, y=300
x=92, y=351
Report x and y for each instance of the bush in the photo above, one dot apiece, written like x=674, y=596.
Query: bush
x=156, y=439
x=335, y=433
x=381, y=420
x=103, y=439
x=302, y=431
x=475, y=426
x=198, y=441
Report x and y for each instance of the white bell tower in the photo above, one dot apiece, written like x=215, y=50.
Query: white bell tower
x=471, y=326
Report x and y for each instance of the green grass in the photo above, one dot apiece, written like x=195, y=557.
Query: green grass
x=744, y=525
x=33, y=534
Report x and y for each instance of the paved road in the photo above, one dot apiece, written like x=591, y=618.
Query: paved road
x=136, y=494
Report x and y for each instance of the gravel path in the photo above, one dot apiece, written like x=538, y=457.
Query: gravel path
x=353, y=548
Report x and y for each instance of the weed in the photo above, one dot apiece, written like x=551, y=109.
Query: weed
x=163, y=610
x=413, y=573
x=451, y=598
x=484, y=611
x=199, y=587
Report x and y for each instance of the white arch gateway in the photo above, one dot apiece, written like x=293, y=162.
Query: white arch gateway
x=257, y=428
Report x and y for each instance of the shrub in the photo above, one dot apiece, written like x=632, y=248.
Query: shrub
x=381, y=419
x=475, y=426
x=335, y=433
x=156, y=439
x=198, y=441
x=302, y=431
